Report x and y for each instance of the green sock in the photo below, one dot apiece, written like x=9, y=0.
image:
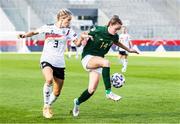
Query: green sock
x=106, y=79
x=108, y=91
x=84, y=96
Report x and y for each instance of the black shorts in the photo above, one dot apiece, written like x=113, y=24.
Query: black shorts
x=57, y=72
x=123, y=53
x=73, y=48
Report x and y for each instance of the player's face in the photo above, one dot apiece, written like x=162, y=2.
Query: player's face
x=66, y=22
x=113, y=29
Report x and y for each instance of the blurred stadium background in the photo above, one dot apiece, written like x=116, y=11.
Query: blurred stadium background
x=151, y=93
x=153, y=24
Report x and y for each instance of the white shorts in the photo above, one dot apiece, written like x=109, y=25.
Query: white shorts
x=85, y=61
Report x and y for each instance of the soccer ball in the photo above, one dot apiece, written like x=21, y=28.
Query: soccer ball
x=117, y=80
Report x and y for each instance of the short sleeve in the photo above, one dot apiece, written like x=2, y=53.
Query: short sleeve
x=72, y=35
x=93, y=31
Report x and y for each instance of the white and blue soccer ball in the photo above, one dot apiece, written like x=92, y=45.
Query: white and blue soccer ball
x=117, y=80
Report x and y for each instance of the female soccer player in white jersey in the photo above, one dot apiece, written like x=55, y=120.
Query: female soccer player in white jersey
x=125, y=39
x=52, y=58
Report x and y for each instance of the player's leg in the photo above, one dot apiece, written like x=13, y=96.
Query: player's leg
x=70, y=52
x=68, y=48
x=93, y=83
x=123, y=60
x=48, y=75
x=95, y=62
x=77, y=52
x=58, y=81
x=120, y=57
x=57, y=87
x=125, y=63
x=121, y=53
x=47, y=89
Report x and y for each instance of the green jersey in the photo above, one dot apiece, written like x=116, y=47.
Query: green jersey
x=101, y=43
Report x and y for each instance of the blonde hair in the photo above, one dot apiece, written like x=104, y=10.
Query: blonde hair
x=63, y=13
x=114, y=20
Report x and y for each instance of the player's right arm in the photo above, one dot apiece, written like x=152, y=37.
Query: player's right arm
x=28, y=34
x=42, y=29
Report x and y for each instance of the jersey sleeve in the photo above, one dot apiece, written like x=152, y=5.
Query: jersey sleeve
x=71, y=35
x=116, y=38
x=42, y=29
x=93, y=31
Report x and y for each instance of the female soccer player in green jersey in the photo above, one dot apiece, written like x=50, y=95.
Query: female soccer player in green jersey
x=93, y=61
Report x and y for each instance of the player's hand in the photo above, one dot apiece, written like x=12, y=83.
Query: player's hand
x=35, y=42
x=85, y=35
x=21, y=36
x=133, y=51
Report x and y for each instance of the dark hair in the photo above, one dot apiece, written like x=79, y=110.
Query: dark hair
x=114, y=20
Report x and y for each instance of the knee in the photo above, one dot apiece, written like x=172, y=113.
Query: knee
x=49, y=80
x=106, y=63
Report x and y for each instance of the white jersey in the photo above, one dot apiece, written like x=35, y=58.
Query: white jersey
x=55, y=44
x=125, y=40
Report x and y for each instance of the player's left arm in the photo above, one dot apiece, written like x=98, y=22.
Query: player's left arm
x=126, y=48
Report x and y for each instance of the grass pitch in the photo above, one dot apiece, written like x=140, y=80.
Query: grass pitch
x=151, y=93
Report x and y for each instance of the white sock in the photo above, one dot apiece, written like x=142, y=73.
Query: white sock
x=52, y=99
x=69, y=54
x=47, y=90
x=77, y=55
x=125, y=63
x=121, y=61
